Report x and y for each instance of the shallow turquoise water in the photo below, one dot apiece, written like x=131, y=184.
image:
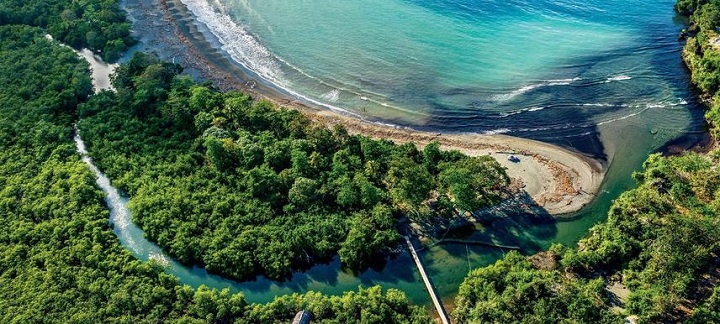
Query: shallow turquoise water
x=603, y=77
x=549, y=70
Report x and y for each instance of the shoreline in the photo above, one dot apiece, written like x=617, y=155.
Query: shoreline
x=558, y=180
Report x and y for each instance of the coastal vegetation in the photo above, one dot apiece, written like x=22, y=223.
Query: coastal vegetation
x=99, y=25
x=243, y=187
x=702, y=53
x=513, y=290
x=60, y=258
x=661, y=240
x=246, y=187
x=61, y=262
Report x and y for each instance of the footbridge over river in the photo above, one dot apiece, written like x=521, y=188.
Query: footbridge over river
x=431, y=290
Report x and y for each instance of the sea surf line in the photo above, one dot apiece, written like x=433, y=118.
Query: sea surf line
x=456, y=65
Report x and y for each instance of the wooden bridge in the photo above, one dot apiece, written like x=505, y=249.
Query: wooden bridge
x=433, y=295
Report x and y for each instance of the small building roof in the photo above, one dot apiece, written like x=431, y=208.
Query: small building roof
x=302, y=317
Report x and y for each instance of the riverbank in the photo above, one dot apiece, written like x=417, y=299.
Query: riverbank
x=557, y=179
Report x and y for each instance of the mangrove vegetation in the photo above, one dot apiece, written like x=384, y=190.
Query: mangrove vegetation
x=60, y=260
x=661, y=240
x=243, y=187
x=99, y=25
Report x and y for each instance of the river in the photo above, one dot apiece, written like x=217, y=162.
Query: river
x=647, y=103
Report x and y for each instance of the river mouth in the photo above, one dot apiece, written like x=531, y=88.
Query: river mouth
x=624, y=143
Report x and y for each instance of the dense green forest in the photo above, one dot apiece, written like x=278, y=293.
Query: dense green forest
x=702, y=55
x=513, y=290
x=661, y=240
x=244, y=187
x=99, y=25
x=61, y=262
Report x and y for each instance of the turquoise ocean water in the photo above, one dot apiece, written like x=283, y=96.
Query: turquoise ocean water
x=602, y=77
x=559, y=71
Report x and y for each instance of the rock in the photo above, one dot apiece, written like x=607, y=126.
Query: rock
x=683, y=35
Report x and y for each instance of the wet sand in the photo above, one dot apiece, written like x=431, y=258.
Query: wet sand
x=559, y=180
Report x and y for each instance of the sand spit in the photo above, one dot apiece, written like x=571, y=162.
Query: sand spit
x=559, y=180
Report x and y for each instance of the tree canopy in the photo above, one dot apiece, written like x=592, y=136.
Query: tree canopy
x=99, y=25
x=60, y=260
x=245, y=187
x=513, y=291
x=662, y=240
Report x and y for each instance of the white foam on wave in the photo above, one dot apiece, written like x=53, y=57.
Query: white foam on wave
x=497, y=131
x=644, y=108
x=527, y=88
x=235, y=40
x=332, y=96
x=641, y=108
x=621, y=77
x=598, y=105
x=553, y=127
x=515, y=112
x=246, y=50
x=680, y=102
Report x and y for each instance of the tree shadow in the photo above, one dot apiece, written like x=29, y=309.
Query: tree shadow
x=516, y=222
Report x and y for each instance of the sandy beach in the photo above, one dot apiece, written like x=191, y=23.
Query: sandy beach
x=559, y=180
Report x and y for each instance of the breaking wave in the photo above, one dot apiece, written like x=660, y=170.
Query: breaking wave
x=236, y=41
x=332, y=96
x=621, y=77
x=246, y=50
x=527, y=88
x=497, y=131
x=531, y=109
